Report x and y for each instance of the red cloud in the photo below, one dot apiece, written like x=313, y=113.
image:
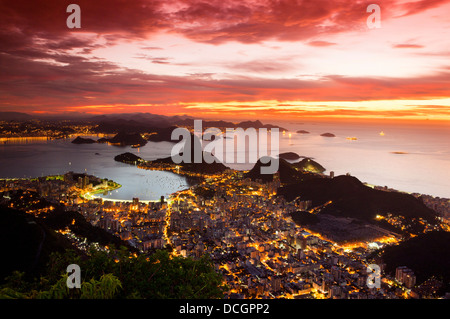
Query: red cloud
x=84, y=82
x=212, y=21
x=408, y=46
x=321, y=43
x=33, y=32
x=414, y=7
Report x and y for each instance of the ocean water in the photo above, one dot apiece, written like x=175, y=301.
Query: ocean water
x=407, y=157
x=411, y=158
x=21, y=158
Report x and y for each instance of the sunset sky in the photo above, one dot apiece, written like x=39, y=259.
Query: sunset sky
x=227, y=59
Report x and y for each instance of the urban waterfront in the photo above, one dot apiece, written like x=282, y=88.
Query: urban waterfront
x=411, y=158
x=242, y=224
x=44, y=157
x=348, y=100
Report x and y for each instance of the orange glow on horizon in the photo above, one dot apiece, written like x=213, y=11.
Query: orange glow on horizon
x=282, y=60
x=282, y=111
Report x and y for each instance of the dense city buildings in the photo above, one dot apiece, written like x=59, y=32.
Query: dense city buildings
x=242, y=225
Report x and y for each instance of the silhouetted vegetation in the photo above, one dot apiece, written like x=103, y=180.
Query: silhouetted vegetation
x=38, y=258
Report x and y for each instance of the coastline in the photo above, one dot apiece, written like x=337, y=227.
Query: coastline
x=173, y=169
x=93, y=194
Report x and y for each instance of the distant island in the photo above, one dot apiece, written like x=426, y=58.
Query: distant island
x=128, y=158
x=328, y=135
x=81, y=140
x=399, y=153
x=120, y=139
x=102, y=140
x=302, y=132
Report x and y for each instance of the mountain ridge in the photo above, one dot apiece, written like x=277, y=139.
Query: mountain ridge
x=349, y=197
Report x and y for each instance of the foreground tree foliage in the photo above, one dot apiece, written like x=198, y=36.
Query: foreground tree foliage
x=120, y=274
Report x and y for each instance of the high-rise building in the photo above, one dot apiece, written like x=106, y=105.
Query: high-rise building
x=68, y=177
x=409, y=280
x=85, y=182
x=336, y=272
x=405, y=276
x=276, y=283
x=399, y=273
x=334, y=291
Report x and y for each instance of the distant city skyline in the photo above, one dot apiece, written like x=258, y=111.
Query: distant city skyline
x=228, y=59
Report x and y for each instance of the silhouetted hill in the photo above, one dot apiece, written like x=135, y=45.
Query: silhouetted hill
x=81, y=140
x=165, y=133
x=123, y=138
x=205, y=124
x=287, y=173
x=148, y=123
x=162, y=134
x=328, y=135
x=351, y=198
x=226, y=124
x=289, y=156
x=128, y=158
x=257, y=124
x=103, y=140
x=60, y=219
x=127, y=126
x=427, y=255
x=26, y=242
x=144, y=120
x=189, y=160
x=309, y=165
x=14, y=116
